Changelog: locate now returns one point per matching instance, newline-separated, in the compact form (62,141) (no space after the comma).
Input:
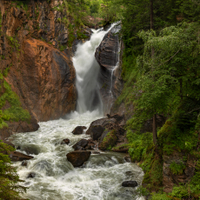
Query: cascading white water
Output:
(55,177)
(87,70)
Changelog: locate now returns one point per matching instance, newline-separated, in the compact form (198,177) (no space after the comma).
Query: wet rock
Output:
(77,158)
(17,156)
(107,52)
(97,127)
(107,55)
(129,184)
(46,80)
(118,117)
(31,175)
(65,141)
(24,163)
(91,145)
(31,149)
(96,132)
(96,152)
(80,145)
(79,130)
(127,158)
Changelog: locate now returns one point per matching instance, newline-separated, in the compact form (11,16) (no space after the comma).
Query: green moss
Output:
(71,36)
(62,48)
(120,147)
(109,141)
(139,145)
(13,111)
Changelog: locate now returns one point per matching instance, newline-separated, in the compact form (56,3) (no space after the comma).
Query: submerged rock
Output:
(65,141)
(31,175)
(17,156)
(79,130)
(31,149)
(129,184)
(77,158)
(24,163)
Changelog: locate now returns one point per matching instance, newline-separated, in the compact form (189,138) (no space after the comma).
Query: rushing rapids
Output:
(52,176)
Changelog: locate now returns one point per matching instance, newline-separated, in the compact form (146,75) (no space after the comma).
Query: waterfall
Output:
(87,70)
(54,177)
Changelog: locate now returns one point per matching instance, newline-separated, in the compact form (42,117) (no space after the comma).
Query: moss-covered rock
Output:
(108,140)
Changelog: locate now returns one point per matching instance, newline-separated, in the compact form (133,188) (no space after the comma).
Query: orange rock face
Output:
(45,80)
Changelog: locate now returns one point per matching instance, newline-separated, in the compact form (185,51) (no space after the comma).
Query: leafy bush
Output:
(9,180)
(180,192)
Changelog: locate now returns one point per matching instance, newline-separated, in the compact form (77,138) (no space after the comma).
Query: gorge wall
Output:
(36,48)
(108,55)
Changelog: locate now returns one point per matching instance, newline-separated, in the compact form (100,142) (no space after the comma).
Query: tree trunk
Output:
(154,130)
(151,14)
(181,88)
(152,55)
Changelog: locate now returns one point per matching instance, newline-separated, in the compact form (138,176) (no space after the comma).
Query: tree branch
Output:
(169,58)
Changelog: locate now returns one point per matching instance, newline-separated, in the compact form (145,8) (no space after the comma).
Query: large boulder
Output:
(77,158)
(98,126)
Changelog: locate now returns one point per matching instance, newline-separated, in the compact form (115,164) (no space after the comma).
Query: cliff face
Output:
(45,79)
(108,56)
(32,36)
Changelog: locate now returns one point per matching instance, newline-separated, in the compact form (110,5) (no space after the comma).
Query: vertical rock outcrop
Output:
(45,79)
(107,55)
(32,35)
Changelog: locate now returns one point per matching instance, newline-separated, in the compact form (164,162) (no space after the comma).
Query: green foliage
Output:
(62,48)
(177,168)
(13,112)
(194,185)
(94,7)
(161,73)
(71,36)
(159,196)
(9,188)
(179,133)
(139,145)
(180,192)
(13,43)
(22,4)
(109,140)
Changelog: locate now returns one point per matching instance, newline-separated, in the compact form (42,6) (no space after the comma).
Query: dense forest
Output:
(161,74)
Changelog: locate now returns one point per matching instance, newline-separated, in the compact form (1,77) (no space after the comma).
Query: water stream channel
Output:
(55,178)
